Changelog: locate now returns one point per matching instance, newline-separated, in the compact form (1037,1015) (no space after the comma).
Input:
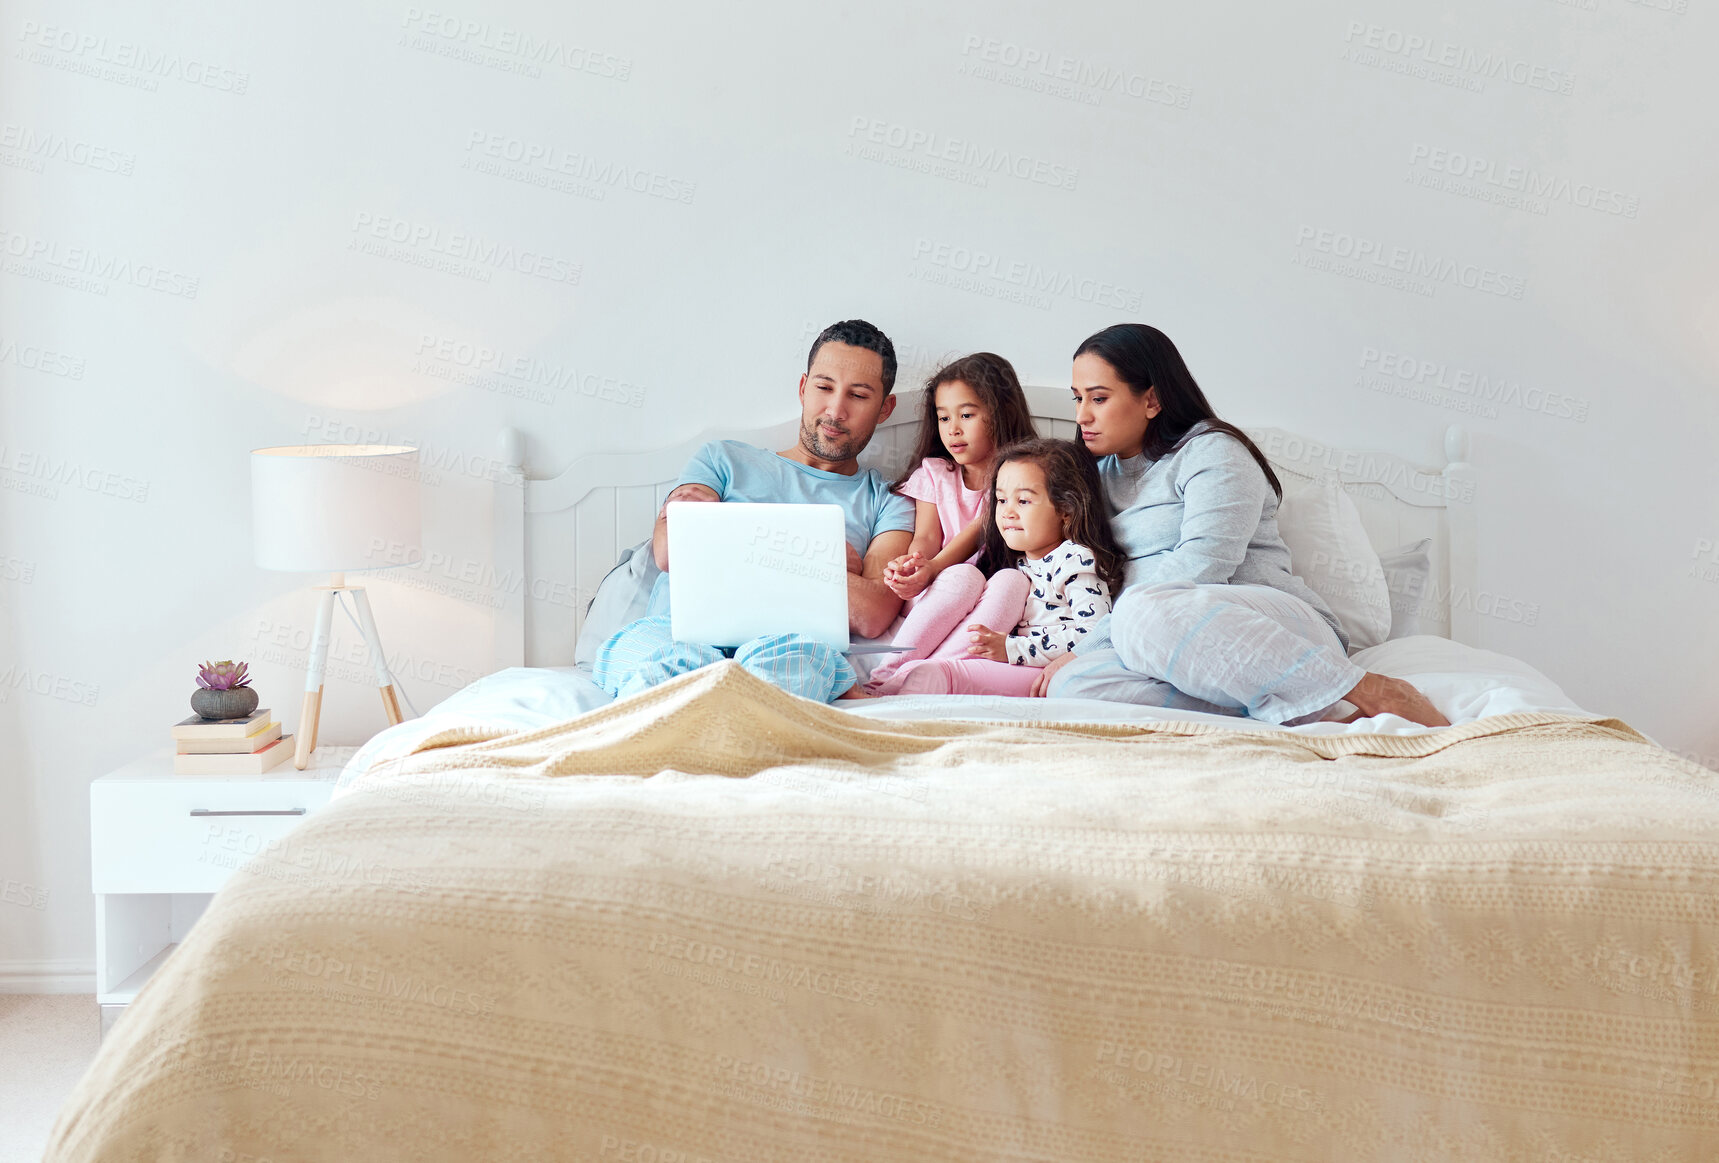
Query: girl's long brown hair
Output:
(1077,494)
(993,380)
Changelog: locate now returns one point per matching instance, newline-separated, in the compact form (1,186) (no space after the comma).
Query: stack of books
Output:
(248,746)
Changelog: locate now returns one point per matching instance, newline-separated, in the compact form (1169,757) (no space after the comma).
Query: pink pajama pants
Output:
(965,676)
(936,624)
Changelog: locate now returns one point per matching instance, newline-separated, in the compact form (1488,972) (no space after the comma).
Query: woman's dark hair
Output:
(1076,493)
(993,380)
(1145,358)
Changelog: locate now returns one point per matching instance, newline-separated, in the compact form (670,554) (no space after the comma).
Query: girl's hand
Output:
(984,642)
(1041,684)
(906,575)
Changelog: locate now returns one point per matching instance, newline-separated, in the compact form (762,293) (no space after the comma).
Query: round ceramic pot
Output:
(228,704)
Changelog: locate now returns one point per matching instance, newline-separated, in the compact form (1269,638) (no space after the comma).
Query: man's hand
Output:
(659,534)
(984,642)
(1041,684)
(690,493)
(871,605)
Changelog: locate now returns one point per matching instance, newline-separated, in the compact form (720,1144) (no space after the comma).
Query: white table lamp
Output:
(329,508)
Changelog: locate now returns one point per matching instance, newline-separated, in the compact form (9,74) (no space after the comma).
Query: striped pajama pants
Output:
(642,654)
(1221,649)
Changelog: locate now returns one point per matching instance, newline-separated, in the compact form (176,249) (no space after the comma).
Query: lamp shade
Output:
(330,508)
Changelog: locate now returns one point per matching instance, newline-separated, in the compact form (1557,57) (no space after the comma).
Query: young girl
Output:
(1049,525)
(972,407)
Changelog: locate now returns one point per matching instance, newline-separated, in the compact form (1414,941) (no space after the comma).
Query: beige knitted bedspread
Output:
(812,937)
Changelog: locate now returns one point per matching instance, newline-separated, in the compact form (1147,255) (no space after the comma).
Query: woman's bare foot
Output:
(856,692)
(1378,694)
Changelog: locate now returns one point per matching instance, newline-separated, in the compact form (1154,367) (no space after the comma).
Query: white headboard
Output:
(562,534)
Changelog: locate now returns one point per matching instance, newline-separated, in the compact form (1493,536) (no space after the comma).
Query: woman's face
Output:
(1112,418)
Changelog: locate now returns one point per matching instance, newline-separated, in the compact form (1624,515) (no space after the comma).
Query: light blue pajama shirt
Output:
(644,653)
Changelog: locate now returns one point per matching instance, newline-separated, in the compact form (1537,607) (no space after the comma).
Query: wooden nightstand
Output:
(161,845)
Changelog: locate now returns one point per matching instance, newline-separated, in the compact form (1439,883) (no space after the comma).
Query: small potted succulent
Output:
(223,691)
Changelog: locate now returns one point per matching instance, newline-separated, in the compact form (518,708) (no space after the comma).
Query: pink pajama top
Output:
(939,481)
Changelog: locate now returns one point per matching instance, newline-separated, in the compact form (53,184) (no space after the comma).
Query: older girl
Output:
(972,407)
(1210,617)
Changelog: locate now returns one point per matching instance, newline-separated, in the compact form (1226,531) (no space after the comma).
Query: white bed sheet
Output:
(1463,682)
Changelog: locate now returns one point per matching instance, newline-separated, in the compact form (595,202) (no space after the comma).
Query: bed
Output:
(714,922)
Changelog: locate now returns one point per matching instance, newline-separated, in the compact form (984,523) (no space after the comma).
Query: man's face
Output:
(842,401)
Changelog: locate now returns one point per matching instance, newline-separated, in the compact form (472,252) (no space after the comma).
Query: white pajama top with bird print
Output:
(1066,600)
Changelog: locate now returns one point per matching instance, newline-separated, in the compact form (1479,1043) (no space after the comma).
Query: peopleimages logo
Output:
(1212,1076)
(576,173)
(1525,181)
(42,682)
(929,146)
(17,569)
(433,459)
(456,577)
(443,357)
(981,268)
(1359,256)
(1059,75)
(1315,459)
(825,1094)
(527,47)
(34,256)
(1704,561)
(379,979)
(41,359)
(1435,59)
(1430,373)
(40,467)
(794,554)
(350,661)
(460,246)
(37,147)
(643,1151)
(775,971)
(15,892)
(86,52)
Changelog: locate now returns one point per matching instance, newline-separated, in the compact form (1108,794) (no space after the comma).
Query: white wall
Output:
(187,194)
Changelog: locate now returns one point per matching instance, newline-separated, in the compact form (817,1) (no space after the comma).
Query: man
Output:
(845,393)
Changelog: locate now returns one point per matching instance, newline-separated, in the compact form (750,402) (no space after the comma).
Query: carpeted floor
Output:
(46,1043)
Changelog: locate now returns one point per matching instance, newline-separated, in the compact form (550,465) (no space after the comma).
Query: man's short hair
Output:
(858,333)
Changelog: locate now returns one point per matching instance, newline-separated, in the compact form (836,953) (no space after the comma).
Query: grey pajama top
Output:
(1202,513)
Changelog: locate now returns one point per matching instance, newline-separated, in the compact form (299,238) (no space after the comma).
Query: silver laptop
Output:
(742,571)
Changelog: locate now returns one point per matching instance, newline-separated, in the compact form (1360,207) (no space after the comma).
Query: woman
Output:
(1210,617)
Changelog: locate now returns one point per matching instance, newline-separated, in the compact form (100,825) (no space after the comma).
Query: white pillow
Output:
(622,597)
(1408,574)
(1466,683)
(1330,551)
